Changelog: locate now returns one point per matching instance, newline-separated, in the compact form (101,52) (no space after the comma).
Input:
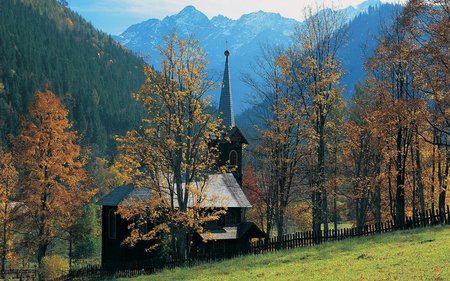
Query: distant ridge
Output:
(244,36)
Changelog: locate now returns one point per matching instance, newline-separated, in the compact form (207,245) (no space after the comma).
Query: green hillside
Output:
(43,44)
(405,255)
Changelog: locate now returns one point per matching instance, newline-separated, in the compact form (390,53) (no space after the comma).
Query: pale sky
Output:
(114,16)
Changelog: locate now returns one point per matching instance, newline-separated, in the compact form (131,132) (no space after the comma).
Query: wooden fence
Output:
(96,272)
(309,238)
(30,274)
(288,241)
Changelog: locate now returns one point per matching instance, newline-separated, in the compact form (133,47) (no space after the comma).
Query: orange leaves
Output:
(69,23)
(54,179)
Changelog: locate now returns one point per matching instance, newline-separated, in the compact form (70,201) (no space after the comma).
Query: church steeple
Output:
(226,99)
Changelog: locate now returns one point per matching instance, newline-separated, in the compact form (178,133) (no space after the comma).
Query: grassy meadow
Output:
(422,254)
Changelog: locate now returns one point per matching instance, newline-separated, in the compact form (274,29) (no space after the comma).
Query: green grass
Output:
(404,255)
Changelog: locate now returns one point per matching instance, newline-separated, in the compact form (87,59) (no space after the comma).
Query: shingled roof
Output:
(223,191)
(244,229)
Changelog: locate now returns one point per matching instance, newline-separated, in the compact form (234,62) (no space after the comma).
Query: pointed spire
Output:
(226,100)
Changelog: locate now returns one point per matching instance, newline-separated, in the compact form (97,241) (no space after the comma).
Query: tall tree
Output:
(282,132)
(10,210)
(364,156)
(401,107)
(53,174)
(427,22)
(317,73)
(171,153)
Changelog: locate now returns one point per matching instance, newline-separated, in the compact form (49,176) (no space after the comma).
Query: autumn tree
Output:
(10,210)
(256,194)
(317,72)
(171,153)
(426,22)
(53,179)
(363,156)
(281,130)
(402,109)
(104,175)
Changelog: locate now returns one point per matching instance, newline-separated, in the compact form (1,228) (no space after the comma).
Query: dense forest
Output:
(45,45)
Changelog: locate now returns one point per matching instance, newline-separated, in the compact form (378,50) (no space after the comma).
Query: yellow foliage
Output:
(53,267)
(171,154)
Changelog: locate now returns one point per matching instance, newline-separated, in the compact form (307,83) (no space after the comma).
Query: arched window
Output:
(233,158)
(112,224)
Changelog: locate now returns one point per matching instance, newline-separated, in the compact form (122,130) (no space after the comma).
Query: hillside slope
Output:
(404,255)
(44,43)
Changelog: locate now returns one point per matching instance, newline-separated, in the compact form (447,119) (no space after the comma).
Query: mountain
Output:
(244,36)
(363,33)
(44,43)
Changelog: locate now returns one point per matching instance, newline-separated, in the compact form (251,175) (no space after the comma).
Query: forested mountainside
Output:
(45,45)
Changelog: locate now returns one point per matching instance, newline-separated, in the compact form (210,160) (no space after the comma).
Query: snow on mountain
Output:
(243,38)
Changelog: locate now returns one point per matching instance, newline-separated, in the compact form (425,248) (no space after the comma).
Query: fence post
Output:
(433,216)
(448,215)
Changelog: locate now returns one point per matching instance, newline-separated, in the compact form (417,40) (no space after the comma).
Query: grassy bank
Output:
(405,255)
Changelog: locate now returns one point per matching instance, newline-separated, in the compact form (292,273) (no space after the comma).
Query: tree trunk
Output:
(335,214)
(280,221)
(420,188)
(400,181)
(316,210)
(414,182)
(443,187)
(182,245)
(433,171)
(4,242)
(70,253)
(391,197)
(42,250)
(377,203)
(321,197)
(440,176)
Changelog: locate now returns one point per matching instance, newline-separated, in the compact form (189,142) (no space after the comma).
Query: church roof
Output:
(236,133)
(226,99)
(245,229)
(223,191)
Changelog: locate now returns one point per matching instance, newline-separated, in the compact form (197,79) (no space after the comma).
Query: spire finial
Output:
(226,99)
(227,53)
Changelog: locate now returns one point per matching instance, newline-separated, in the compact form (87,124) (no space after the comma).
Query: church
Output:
(229,235)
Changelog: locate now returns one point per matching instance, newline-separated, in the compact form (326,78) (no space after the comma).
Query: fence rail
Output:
(309,238)
(20,274)
(288,241)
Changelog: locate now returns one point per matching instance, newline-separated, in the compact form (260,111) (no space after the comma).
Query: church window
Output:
(233,158)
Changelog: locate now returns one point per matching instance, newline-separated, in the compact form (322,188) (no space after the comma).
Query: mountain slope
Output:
(364,31)
(244,36)
(43,43)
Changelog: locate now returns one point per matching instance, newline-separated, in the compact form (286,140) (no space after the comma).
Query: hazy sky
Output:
(114,16)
